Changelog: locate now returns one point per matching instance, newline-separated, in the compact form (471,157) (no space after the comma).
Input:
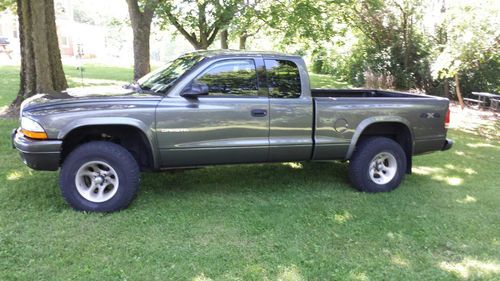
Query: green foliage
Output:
(392,38)
(387,41)
(484,77)
(470,40)
(198,21)
(466,43)
(301,20)
(318,61)
(249,20)
(7,4)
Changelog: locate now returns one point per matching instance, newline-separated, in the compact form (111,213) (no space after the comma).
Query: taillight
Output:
(447,119)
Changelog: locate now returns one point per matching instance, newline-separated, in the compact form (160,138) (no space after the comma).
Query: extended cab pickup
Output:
(223,107)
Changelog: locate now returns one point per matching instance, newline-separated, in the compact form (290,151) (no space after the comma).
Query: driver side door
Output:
(229,125)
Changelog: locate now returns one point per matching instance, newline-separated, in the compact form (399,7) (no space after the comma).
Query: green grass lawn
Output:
(326,81)
(9,84)
(288,221)
(92,75)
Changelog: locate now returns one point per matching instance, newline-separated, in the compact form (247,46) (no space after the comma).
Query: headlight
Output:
(32,129)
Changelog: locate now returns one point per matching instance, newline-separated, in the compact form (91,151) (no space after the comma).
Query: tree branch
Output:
(181,29)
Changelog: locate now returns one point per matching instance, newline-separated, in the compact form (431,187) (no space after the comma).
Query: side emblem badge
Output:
(430,115)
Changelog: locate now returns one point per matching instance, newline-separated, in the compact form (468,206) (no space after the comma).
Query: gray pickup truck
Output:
(223,107)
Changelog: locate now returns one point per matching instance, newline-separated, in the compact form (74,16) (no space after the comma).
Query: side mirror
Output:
(194,90)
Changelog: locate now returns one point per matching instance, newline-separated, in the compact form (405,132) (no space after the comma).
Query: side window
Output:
(283,79)
(231,78)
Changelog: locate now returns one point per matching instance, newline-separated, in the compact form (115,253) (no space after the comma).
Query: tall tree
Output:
(199,21)
(141,15)
(249,20)
(389,38)
(471,40)
(41,67)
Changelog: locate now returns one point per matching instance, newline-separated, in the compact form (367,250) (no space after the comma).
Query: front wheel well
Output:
(396,131)
(130,137)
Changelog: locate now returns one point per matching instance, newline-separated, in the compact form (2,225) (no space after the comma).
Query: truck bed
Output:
(361,93)
(341,113)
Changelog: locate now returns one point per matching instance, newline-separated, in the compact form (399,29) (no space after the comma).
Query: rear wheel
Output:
(99,177)
(377,165)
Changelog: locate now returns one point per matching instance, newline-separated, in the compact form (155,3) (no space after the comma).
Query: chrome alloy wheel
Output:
(383,168)
(96,181)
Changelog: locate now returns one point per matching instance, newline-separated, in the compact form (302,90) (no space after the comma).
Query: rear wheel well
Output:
(131,138)
(396,131)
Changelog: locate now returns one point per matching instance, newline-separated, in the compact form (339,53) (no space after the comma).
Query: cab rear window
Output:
(283,79)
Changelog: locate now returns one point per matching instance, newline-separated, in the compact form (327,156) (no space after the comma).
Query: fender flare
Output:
(124,121)
(374,120)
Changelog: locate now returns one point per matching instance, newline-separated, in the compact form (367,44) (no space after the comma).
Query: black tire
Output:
(359,165)
(118,158)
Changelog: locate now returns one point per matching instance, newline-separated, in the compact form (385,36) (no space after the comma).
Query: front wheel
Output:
(99,176)
(377,165)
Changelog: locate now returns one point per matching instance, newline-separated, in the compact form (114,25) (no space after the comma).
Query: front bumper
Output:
(42,155)
(447,144)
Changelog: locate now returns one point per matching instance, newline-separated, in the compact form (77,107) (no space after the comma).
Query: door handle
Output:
(259,112)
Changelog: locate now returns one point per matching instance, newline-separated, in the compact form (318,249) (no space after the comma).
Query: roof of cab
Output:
(224,53)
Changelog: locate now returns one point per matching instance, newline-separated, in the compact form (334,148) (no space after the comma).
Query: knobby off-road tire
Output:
(377,165)
(99,176)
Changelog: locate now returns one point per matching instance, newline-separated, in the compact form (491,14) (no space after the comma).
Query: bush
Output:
(484,78)
(378,81)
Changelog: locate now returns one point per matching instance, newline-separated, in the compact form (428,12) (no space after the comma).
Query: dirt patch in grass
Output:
(481,122)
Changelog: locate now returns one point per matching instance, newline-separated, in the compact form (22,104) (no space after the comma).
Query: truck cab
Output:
(254,108)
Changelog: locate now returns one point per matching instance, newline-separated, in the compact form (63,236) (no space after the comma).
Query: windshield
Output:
(163,78)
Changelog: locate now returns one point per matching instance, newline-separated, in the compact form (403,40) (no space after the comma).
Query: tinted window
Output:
(235,77)
(283,79)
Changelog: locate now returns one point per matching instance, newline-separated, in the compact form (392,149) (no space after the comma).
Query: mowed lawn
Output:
(291,221)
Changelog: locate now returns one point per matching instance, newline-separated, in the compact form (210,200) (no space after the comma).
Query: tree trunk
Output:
(200,46)
(141,27)
(41,67)
(459,93)
(203,44)
(223,39)
(243,41)
(58,78)
(141,51)
(405,43)
(27,84)
(446,88)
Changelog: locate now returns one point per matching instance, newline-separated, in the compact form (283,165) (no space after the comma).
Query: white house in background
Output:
(9,32)
(73,36)
(105,44)
(76,38)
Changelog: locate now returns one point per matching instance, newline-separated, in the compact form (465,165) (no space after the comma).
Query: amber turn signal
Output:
(34,135)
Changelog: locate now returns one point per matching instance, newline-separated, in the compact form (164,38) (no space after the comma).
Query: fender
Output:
(81,122)
(370,121)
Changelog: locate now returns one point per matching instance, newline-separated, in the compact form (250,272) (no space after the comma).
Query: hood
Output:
(102,94)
